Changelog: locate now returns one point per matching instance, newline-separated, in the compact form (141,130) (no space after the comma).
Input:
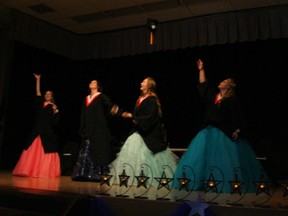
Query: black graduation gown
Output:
(149,124)
(95,127)
(227,115)
(45,125)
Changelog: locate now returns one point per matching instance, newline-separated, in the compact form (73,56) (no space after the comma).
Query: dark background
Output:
(259,69)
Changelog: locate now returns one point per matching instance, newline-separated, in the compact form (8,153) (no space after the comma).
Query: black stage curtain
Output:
(225,28)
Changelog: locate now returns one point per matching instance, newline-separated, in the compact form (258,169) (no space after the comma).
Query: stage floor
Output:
(62,196)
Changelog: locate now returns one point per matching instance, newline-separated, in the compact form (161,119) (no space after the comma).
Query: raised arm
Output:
(200,65)
(37,77)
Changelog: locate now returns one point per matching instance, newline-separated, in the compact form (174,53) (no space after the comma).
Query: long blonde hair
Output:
(152,92)
(231,90)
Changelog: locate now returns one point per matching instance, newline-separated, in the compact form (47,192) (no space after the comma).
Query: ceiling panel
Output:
(92,16)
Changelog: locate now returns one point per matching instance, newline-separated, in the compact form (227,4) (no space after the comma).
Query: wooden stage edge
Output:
(62,196)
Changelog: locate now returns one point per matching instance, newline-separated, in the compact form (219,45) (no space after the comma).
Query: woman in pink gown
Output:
(40,158)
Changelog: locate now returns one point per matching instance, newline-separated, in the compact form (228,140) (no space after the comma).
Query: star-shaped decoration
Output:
(236,185)
(164,181)
(198,207)
(211,184)
(142,180)
(184,182)
(262,186)
(105,179)
(123,179)
(285,186)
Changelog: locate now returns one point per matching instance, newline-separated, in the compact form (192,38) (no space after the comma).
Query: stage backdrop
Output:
(258,67)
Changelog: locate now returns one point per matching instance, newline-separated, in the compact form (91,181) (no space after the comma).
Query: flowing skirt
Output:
(85,169)
(135,159)
(34,162)
(211,155)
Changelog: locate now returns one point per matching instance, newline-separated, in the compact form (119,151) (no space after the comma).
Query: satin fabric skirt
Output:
(34,162)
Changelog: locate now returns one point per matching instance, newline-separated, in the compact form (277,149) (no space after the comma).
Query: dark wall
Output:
(259,69)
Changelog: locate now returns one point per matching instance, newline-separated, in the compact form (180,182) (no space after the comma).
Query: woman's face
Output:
(144,85)
(225,84)
(93,84)
(48,96)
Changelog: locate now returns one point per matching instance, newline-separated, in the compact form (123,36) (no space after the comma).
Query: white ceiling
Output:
(92,16)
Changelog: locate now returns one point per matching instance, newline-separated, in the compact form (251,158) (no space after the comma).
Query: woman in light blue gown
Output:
(145,149)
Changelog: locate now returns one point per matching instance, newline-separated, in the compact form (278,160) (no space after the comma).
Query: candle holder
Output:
(186,183)
(165,182)
(143,181)
(124,181)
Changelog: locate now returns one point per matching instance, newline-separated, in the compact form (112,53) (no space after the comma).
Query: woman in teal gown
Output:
(219,152)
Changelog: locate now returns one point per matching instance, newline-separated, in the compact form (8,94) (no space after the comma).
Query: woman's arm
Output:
(37,77)
(200,65)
